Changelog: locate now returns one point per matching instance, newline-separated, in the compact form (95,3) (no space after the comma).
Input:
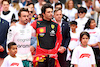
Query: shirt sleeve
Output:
(10,36)
(92,57)
(75,58)
(33,38)
(4,64)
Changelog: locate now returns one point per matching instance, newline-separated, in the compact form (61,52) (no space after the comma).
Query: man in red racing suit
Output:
(49,39)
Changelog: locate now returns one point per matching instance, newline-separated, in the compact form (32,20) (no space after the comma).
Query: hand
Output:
(1,49)
(32,49)
(61,49)
(92,12)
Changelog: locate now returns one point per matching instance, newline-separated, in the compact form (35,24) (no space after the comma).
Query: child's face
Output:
(92,24)
(84,40)
(13,50)
(73,27)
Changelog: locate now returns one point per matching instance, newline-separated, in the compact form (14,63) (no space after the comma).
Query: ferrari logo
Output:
(52,26)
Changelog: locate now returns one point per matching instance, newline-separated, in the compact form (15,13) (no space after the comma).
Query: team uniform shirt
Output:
(81,24)
(12,62)
(49,39)
(70,13)
(83,56)
(94,35)
(21,35)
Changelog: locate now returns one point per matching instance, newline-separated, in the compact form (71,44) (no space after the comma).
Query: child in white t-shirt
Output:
(94,32)
(83,55)
(12,60)
(74,40)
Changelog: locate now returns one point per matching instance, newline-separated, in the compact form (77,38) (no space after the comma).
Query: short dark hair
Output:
(82,10)
(57,10)
(58,4)
(30,3)
(5,0)
(73,22)
(22,9)
(45,6)
(84,33)
(11,44)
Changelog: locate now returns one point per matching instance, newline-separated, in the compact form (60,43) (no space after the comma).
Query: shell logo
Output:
(41,30)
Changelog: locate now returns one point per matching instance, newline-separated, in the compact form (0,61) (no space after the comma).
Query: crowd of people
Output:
(49,34)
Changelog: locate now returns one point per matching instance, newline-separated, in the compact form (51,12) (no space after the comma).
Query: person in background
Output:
(12,59)
(97,8)
(16,7)
(59,5)
(4,26)
(70,11)
(1,6)
(50,1)
(57,1)
(32,12)
(83,55)
(74,42)
(38,6)
(82,20)
(48,39)
(6,13)
(65,30)
(88,6)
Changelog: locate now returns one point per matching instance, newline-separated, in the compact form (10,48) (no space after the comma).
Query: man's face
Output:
(89,3)
(5,6)
(24,18)
(48,14)
(58,15)
(30,9)
(58,6)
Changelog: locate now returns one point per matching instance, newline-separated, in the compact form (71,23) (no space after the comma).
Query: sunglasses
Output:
(80,12)
(31,11)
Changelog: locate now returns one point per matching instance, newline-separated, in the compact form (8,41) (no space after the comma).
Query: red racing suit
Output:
(49,39)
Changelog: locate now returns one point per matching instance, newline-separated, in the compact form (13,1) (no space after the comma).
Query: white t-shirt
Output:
(97,3)
(70,13)
(74,40)
(15,10)
(21,35)
(81,24)
(12,62)
(94,35)
(83,57)
(7,17)
(37,8)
